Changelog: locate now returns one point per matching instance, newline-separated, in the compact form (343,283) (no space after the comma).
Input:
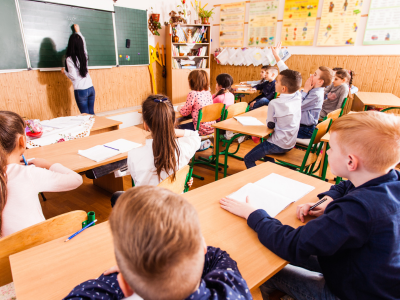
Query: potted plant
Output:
(155,17)
(157,26)
(205,14)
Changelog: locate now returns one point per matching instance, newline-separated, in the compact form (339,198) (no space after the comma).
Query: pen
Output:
(110,147)
(78,232)
(23,157)
(318,203)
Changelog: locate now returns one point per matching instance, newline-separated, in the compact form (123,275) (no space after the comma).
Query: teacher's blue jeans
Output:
(85,100)
(301,282)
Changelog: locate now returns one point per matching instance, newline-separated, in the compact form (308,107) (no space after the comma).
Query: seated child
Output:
(352,249)
(285,113)
(223,89)
(266,86)
(353,89)
(20,206)
(161,254)
(312,96)
(199,97)
(167,151)
(336,92)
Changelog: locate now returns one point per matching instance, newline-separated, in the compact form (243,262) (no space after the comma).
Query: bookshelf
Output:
(177,78)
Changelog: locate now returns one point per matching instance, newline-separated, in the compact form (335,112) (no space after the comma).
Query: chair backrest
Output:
(236,109)
(343,106)
(178,185)
(211,112)
(334,115)
(35,235)
(323,128)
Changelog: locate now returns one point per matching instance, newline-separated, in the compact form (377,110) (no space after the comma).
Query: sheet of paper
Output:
(261,198)
(286,187)
(249,121)
(263,17)
(123,145)
(98,153)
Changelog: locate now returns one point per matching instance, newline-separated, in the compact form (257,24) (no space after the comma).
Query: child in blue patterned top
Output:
(161,254)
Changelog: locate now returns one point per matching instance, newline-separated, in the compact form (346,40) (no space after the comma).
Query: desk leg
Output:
(216,152)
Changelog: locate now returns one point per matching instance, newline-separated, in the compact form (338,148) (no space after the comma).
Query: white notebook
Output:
(249,121)
(273,193)
(100,152)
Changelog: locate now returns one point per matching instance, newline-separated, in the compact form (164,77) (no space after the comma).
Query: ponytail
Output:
(352,74)
(225,81)
(11,124)
(159,115)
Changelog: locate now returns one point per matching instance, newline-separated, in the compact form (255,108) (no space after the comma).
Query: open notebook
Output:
(100,152)
(249,121)
(273,193)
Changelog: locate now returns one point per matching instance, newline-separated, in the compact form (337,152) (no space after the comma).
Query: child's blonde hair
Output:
(373,136)
(158,243)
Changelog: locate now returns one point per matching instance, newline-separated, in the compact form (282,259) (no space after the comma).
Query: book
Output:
(102,152)
(272,193)
(249,121)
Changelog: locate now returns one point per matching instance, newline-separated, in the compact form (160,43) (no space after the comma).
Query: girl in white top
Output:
(20,185)
(169,149)
(76,69)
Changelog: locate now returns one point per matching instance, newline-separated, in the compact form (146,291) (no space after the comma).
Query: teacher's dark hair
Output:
(76,51)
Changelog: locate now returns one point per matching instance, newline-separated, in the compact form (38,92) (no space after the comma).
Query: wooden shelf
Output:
(207,25)
(191,43)
(191,56)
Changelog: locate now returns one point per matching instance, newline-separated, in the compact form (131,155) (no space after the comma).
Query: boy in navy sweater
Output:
(352,249)
(161,254)
(266,86)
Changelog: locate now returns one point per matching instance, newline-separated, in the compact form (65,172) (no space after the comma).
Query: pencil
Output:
(110,147)
(23,157)
(318,203)
(78,232)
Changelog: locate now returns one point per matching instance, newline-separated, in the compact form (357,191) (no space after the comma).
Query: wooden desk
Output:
(177,113)
(66,153)
(364,99)
(240,94)
(233,125)
(102,124)
(52,270)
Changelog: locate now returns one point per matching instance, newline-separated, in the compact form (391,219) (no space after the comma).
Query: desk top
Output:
(238,85)
(66,153)
(102,123)
(381,99)
(235,126)
(52,270)
(177,113)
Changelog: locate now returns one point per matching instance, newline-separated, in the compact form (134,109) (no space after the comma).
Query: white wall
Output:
(357,49)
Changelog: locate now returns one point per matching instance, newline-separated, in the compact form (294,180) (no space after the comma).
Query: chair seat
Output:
(304,142)
(295,157)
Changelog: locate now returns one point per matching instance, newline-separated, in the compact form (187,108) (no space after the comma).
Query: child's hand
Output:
(303,209)
(111,270)
(276,50)
(190,182)
(63,70)
(252,104)
(240,209)
(40,163)
(309,85)
(243,83)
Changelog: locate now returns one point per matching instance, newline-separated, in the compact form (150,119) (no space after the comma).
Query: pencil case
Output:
(90,218)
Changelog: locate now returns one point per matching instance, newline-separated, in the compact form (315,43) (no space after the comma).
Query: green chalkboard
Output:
(132,24)
(12,53)
(47,28)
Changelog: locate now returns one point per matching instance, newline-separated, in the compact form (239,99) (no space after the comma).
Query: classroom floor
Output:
(89,197)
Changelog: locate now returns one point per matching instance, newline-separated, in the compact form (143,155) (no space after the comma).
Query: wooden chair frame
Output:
(178,185)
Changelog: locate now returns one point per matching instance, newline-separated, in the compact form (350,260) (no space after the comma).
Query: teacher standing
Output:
(76,69)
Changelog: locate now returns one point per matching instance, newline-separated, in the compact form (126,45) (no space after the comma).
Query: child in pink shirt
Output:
(223,89)
(20,185)
(199,97)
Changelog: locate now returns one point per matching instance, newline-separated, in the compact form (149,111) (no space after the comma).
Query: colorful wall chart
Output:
(339,22)
(299,20)
(263,16)
(383,25)
(232,24)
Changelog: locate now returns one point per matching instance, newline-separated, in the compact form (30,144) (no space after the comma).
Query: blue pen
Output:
(76,233)
(110,147)
(23,157)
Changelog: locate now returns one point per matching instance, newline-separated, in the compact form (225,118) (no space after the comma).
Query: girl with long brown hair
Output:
(167,151)
(20,185)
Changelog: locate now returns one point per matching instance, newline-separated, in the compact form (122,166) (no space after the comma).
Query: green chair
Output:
(208,113)
(302,161)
